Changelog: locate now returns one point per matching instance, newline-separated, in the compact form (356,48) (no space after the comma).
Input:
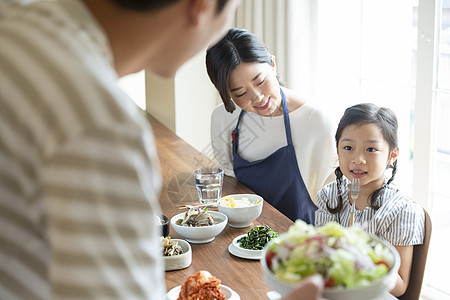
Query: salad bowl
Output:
(368,270)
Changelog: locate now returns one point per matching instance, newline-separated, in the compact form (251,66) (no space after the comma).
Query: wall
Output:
(185,102)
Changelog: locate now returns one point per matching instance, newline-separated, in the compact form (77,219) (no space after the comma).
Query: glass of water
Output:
(209,183)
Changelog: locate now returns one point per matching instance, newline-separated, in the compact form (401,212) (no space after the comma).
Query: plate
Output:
(272,295)
(234,249)
(228,293)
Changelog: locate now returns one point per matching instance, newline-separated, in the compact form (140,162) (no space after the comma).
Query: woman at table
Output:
(276,142)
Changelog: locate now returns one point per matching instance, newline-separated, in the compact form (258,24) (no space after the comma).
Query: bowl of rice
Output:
(241,209)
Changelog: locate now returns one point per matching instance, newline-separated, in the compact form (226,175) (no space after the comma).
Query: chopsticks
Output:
(190,205)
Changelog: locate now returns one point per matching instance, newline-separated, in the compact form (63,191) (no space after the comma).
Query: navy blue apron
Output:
(276,178)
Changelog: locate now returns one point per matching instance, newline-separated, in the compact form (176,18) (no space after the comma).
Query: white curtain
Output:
(289,37)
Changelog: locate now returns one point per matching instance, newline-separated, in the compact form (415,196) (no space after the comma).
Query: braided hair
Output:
(361,114)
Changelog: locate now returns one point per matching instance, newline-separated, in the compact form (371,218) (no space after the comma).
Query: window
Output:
(134,86)
(440,196)
(367,51)
(360,59)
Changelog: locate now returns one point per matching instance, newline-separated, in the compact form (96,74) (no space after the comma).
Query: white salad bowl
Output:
(377,288)
(202,234)
(240,217)
(180,261)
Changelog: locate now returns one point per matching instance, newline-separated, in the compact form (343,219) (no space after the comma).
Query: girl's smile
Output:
(365,154)
(358,173)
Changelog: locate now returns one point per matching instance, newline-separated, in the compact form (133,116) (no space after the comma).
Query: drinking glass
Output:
(209,183)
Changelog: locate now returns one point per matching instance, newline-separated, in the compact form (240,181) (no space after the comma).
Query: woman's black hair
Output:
(145,5)
(362,114)
(236,47)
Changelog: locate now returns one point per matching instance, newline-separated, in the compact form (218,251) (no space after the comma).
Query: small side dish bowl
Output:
(164,225)
(202,234)
(248,208)
(248,252)
(235,249)
(181,261)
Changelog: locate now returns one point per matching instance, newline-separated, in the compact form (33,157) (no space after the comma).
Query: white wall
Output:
(160,99)
(196,97)
(185,102)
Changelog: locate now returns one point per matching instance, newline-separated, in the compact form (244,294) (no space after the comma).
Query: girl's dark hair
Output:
(362,114)
(144,5)
(238,46)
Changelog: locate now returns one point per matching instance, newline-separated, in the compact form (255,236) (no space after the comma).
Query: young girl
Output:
(366,141)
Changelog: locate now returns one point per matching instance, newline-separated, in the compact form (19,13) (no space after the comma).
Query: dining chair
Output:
(418,264)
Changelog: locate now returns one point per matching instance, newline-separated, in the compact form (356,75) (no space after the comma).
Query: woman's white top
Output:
(312,136)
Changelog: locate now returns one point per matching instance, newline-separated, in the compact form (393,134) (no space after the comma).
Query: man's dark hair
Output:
(144,5)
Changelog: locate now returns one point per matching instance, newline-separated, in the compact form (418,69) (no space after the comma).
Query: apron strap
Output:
(235,132)
(287,124)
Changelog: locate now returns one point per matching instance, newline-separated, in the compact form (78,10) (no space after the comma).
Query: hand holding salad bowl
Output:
(353,264)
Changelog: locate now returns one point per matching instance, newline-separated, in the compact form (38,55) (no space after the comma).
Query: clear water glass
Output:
(209,182)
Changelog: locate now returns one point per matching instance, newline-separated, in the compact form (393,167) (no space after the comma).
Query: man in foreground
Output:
(79,176)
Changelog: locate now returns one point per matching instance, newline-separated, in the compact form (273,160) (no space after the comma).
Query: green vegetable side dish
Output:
(257,237)
(345,257)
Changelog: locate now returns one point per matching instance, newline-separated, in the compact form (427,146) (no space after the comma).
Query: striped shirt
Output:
(399,220)
(79,176)
(6,4)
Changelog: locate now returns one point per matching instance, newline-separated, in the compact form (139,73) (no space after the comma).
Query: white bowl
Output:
(235,249)
(240,217)
(378,288)
(202,234)
(227,292)
(181,261)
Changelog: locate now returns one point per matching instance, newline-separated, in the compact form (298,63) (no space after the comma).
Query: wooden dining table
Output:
(178,160)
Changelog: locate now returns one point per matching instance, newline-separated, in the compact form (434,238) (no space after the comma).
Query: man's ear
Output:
(199,9)
(393,156)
